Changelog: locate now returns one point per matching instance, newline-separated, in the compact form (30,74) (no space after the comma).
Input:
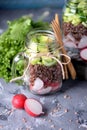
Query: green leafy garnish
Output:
(13,40)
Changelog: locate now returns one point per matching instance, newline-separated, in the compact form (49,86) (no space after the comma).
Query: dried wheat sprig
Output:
(64,66)
(56,29)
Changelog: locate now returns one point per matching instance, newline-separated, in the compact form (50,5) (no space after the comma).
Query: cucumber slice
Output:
(42,47)
(72,5)
(85,12)
(68,14)
(82,5)
(76,1)
(34,39)
(67,10)
(76,19)
(43,43)
(43,39)
(33,47)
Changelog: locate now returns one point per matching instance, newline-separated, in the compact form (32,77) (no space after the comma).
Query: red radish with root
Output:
(33,107)
(83,54)
(18,101)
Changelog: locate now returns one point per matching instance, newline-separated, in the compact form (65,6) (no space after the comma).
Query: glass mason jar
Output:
(74,21)
(43,69)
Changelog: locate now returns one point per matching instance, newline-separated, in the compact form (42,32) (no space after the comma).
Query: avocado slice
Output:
(43,43)
(47,61)
(43,39)
(36,61)
(42,47)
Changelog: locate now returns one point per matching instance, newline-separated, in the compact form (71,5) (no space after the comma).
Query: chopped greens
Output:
(12,41)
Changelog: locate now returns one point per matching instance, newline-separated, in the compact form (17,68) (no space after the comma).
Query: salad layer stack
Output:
(45,73)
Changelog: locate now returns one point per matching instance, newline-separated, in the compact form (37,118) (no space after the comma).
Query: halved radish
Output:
(70,44)
(33,107)
(52,84)
(83,54)
(45,90)
(83,43)
(18,101)
(38,84)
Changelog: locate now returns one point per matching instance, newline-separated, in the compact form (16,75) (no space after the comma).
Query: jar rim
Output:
(48,33)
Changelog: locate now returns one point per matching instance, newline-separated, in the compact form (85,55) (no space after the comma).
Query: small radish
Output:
(45,90)
(38,84)
(83,54)
(18,101)
(33,107)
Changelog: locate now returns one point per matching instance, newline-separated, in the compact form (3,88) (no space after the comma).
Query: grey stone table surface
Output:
(64,110)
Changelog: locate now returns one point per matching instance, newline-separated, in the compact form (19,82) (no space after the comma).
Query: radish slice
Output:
(33,107)
(83,43)
(70,44)
(83,54)
(38,84)
(45,90)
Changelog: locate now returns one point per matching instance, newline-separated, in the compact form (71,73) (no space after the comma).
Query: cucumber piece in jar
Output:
(43,43)
(47,61)
(82,5)
(35,61)
(43,39)
(67,10)
(76,1)
(72,5)
(42,47)
(76,19)
(85,12)
(34,39)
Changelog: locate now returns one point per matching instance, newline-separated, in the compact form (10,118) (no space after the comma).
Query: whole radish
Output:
(18,101)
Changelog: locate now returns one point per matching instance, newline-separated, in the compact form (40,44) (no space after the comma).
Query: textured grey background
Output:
(21,4)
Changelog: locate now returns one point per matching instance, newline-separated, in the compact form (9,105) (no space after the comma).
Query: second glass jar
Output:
(75,25)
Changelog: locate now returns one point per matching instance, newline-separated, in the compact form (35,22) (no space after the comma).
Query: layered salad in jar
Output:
(45,73)
(75,27)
